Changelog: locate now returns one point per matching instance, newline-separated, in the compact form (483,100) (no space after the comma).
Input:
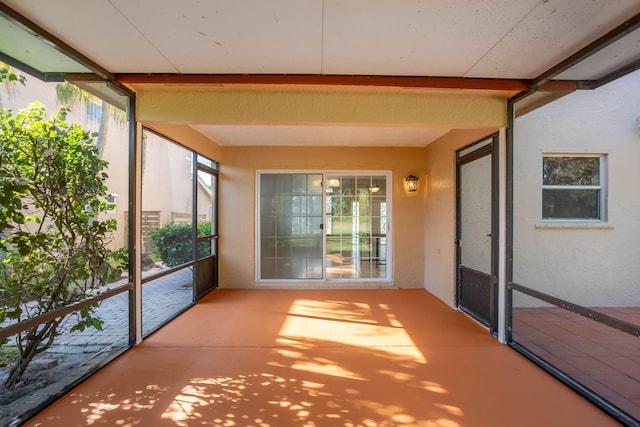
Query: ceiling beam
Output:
(55,43)
(547,93)
(437,109)
(627,69)
(328,80)
(52,41)
(45,77)
(592,48)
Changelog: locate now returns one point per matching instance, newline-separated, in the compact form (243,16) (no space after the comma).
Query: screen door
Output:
(475,237)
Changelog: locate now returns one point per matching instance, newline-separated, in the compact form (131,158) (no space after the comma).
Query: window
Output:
(94,111)
(573,187)
(112,203)
(315,226)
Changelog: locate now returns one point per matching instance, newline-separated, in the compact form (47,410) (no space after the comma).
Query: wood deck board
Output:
(601,358)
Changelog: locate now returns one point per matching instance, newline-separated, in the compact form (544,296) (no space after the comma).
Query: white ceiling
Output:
(285,135)
(497,39)
(462,38)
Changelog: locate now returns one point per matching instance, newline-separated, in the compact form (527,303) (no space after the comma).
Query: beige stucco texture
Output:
(306,107)
(423,223)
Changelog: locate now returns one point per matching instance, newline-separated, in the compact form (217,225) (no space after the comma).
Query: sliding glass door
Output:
(323,226)
(356,227)
(290,226)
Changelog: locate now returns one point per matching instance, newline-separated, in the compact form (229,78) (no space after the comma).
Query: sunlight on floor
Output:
(349,324)
(326,368)
(316,325)
(241,398)
(141,402)
(325,359)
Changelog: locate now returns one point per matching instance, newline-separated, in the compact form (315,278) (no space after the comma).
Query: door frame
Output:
(206,268)
(388,280)
(484,149)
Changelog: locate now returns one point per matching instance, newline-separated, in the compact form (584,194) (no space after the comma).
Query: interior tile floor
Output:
(322,358)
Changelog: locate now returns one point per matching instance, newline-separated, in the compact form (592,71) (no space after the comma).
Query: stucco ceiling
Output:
(286,135)
(493,39)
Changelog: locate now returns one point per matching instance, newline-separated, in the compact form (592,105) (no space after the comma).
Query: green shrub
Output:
(174,243)
(53,244)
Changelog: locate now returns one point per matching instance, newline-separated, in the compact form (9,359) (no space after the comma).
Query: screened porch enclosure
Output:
(574,301)
(323,226)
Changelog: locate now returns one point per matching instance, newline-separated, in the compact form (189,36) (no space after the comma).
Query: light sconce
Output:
(411,183)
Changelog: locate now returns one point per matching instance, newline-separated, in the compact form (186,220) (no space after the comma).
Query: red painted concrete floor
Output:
(601,358)
(322,358)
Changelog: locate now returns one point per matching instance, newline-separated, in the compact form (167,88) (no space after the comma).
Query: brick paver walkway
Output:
(73,354)
(161,299)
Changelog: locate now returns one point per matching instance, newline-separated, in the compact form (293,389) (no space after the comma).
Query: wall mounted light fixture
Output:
(411,183)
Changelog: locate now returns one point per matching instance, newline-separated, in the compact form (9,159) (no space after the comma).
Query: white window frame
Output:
(602,187)
(94,111)
(112,203)
(387,281)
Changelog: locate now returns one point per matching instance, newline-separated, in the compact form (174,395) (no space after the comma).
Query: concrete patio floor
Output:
(321,358)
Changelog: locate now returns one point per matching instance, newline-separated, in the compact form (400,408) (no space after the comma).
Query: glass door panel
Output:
(291,226)
(308,233)
(356,226)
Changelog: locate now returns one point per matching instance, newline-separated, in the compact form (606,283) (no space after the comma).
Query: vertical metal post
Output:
(132,242)
(496,234)
(509,148)
(502,234)
(194,224)
(214,222)
(137,233)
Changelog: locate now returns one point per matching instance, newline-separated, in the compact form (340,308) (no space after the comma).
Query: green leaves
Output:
(580,170)
(174,242)
(8,75)
(52,239)
(86,320)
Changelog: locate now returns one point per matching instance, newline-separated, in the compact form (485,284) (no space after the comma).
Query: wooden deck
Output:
(329,358)
(601,358)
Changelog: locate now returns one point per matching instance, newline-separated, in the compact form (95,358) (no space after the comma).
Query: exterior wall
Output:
(163,161)
(115,145)
(238,210)
(591,266)
(167,181)
(440,211)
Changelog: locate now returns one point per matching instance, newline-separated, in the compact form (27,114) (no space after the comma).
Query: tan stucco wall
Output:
(440,211)
(273,107)
(190,138)
(423,226)
(238,210)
